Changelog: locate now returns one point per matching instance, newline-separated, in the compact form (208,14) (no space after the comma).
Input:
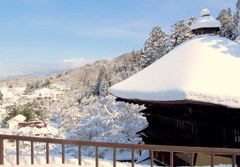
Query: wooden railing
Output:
(114,146)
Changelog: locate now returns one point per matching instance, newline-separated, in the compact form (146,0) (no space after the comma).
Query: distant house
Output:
(11,123)
(61,95)
(32,124)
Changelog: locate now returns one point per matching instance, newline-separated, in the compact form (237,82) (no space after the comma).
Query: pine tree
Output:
(236,21)
(129,66)
(134,60)
(180,32)
(227,27)
(155,47)
(191,20)
(102,83)
(1,95)
(238,4)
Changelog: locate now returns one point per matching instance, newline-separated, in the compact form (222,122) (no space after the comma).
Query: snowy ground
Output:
(56,161)
(40,161)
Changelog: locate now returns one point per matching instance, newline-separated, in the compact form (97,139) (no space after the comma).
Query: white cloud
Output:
(27,69)
(112,28)
(72,63)
(108,32)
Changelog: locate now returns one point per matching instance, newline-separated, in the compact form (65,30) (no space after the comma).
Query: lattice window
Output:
(237,136)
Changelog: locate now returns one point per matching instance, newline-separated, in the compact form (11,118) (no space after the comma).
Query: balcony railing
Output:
(133,147)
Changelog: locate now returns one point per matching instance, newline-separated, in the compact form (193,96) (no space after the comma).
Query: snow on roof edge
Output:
(18,118)
(195,98)
(205,22)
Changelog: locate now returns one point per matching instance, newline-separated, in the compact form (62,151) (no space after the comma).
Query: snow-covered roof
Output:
(18,118)
(205,21)
(205,68)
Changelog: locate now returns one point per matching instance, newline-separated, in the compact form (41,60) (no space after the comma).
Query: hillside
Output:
(78,79)
(75,104)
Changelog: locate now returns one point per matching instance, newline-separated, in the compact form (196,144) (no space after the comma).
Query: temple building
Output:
(206,24)
(192,94)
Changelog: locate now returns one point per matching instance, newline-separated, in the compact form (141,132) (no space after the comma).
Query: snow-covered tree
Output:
(102,83)
(191,20)
(227,27)
(180,32)
(155,47)
(135,61)
(130,66)
(236,21)
(105,120)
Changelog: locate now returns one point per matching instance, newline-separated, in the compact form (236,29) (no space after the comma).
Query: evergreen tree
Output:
(180,32)
(129,66)
(155,47)
(236,21)
(1,95)
(134,62)
(102,83)
(135,59)
(227,27)
(191,20)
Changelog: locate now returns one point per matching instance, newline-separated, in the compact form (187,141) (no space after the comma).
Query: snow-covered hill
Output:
(76,104)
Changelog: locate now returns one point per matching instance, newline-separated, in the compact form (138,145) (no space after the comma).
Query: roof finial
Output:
(205,12)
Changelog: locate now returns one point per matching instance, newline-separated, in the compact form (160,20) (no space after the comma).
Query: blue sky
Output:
(52,35)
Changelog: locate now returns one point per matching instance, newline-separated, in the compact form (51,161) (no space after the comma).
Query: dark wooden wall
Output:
(192,125)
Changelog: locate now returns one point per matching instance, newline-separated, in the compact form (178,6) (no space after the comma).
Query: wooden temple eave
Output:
(174,102)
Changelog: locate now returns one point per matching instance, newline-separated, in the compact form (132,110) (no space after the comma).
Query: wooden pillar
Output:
(63,154)
(79,155)
(192,160)
(96,158)
(212,160)
(152,158)
(133,158)
(1,152)
(47,153)
(17,152)
(114,157)
(32,153)
(171,159)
